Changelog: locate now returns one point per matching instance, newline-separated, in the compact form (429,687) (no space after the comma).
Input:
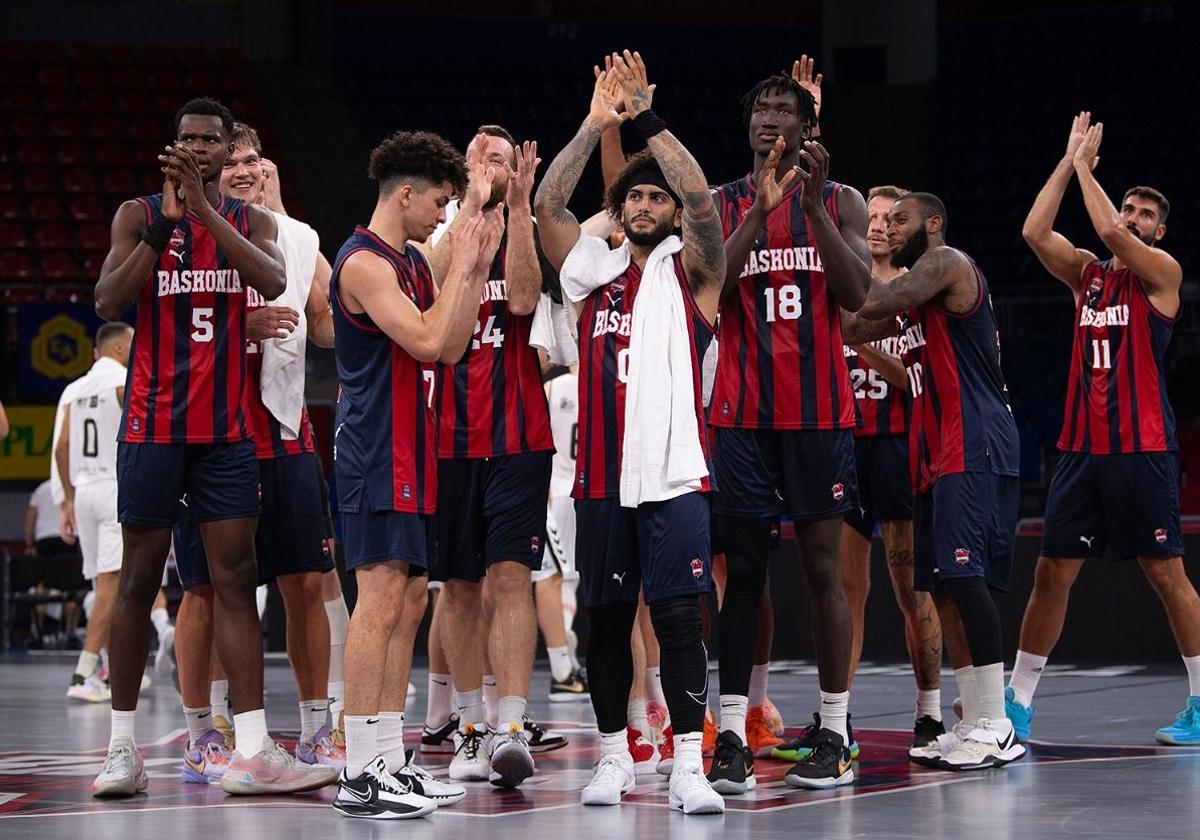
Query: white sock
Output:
(260,600)
(249,732)
(758,685)
(509,710)
(635,715)
(122,726)
(390,739)
(85,666)
(614,743)
(161,620)
(968,692)
(491,700)
(560,662)
(929,703)
(687,751)
(199,721)
(654,689)
(218,698)
(437,710)
(834,706)
(989,682)
(337,700)
(103,659)
(733,714)
(362,732)
(469,706)
(1192,663)
(1026,672)
(312,717)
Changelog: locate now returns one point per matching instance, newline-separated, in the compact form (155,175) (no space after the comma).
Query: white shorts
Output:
(99,532)
(559,554)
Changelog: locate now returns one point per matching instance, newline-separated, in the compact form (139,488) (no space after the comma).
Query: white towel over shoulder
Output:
(283,358)
(661,456)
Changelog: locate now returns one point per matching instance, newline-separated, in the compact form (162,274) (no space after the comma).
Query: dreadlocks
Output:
(781,83)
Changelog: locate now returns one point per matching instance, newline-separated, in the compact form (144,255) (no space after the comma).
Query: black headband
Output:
(650,174)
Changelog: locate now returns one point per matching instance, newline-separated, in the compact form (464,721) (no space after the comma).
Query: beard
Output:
(911,250)
(649,238)
(499,191)
(1147,239)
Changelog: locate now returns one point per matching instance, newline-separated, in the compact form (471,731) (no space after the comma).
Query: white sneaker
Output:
(422,783)
(124,774)
(470,762)
(691,793)
(990,743)
(375,794)
(90,690)
(164,658)
(931,754)
(613,779)
(512,763)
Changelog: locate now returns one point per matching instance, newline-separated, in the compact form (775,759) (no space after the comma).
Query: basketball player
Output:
(494,451)
(86,455)
(1118,428)
(391,331)
(186,257)
(784,420)
(962,443)
(641,477)
(885,494)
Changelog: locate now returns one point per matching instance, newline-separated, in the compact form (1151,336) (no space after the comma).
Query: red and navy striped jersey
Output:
(492,402)
(385,440)
(604,326)
(187,370)
(781,364)
(961,420)
(1117,389)
(268,435)
(881,407)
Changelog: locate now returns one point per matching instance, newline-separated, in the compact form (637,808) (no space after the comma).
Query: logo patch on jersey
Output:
(725,407)
(135,424)
(535,545)
(697,568)
(614,292)
(962,556)
(1160,535)
(839,492)
(406,491)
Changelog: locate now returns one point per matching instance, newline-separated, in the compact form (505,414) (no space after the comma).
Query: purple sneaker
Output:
(322,751)
(205,761)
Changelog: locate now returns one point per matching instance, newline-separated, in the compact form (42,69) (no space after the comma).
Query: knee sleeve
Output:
(747,542)
(610,662)
(980,618)
(684,661)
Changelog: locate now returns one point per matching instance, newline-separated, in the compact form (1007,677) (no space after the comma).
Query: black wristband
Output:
(648,124)
(158,233)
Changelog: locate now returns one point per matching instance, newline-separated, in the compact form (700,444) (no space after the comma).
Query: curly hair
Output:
(206,106)
(781,83)
(614,196)
(416,156)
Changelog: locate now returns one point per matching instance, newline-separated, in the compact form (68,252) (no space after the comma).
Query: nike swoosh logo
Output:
(203,716)
(702,697)
(372,722)
(440,682)
(359,795)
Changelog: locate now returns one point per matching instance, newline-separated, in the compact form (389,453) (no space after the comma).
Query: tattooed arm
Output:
(558,229)
(940,271)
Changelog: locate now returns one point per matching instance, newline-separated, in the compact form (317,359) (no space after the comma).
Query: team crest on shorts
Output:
(535,545)
(1160,535)
(839,491)
(962,556)
(697,568)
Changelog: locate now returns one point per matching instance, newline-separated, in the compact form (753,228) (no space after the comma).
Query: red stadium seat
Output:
(40,180)
(70,294)
(119,182)
(136,101)
(150,127)
(72,152)
(66,125)
(53,236)
(165,79)
(45,207)
(7,182)
(94,237)
(15,265)
(56,100)
(10,208)
(105,127)
(1189,499)
(26,125)
(59,265)
(78,180)
(53,75)
(113,154)
(86,208)
(92,262)
(128,79)
(17,295)
(13,236)
(85,54)
(6,155)
(34,153)
(121,55)
(156,55)
(20,99)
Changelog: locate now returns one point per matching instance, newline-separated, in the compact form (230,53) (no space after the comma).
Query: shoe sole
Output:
(510,768)
(87,698)
(191,777)
(712,808)
(925,759)
(569,698)
(728,787)
(545,748)
(819,784)
(363,812)
(122,791)
(1171,741)
(237,787)
(583,800)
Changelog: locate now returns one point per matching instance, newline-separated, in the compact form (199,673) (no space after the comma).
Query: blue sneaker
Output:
(1021,716)
(1185,731)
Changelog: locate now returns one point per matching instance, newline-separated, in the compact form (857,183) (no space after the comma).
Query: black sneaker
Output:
(732,766)
(375,794)
(926,731)
(440,740)
(798,748)
(541,740)
(574,687)
(826,766)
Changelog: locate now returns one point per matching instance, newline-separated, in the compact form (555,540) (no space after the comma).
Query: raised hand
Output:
(465,240)
(520,180)
(770,191)
(271,322)
(181,164)
(817,160)
(604,111)
(1079,127)
(631,72)
(173,205)
(1088,153)
(270,196)
(802,74)
(479,175)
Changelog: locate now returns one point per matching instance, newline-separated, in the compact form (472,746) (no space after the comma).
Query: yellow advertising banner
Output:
(27,450)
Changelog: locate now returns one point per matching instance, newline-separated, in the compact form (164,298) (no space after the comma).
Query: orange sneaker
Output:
(773,717)
(709,744)
(759,737)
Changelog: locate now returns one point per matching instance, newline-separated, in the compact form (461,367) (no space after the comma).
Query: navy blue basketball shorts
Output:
(884,483)
(191,563)
(965,526)
(806,474)
(220,479)
(660,548)
(490,510)
(1127,504)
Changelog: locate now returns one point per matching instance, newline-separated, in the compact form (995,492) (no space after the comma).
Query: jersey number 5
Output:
(202,324)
